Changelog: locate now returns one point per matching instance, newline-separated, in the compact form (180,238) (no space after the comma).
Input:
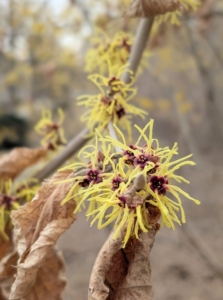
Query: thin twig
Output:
(74,145)
(138,47)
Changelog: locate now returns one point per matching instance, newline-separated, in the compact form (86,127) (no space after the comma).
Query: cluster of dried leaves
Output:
(13,163)
(37,227)
(32,267)
(30,258)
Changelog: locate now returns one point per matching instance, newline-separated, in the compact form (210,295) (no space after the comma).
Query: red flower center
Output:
(93,176)
(158,184)
(6,201)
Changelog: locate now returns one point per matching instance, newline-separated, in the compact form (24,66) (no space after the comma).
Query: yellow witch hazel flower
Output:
(140,158)
(8,202)
(117,49)
(137,180)
(113,83)
(11,197)
(27,189)
(97,55)
(128,207)
(160,189)
(52,132)
(87,174)
(112,104)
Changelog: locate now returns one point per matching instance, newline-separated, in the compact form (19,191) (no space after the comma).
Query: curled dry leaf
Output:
(48,283)
(7,272)
(98,290)
(151,8)
(38,226)
(13,163)
(124,273)
(137,282)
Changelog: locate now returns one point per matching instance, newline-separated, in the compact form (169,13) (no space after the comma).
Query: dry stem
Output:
(138,47)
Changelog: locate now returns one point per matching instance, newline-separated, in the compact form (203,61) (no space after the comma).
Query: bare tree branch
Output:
(73,146)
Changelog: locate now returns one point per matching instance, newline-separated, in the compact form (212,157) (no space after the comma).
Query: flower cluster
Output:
(89,171)
(110,57)
(52,132)
(125,186)
(116,49)
(112,104)
(7,203)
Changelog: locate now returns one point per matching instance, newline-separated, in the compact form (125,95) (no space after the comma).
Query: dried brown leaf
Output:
(50,281)
(151,8)
(38,226)
(7,272)
(98,290)
(124,273)
(13,163)
(40,278)
(137,282)
(33,217)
